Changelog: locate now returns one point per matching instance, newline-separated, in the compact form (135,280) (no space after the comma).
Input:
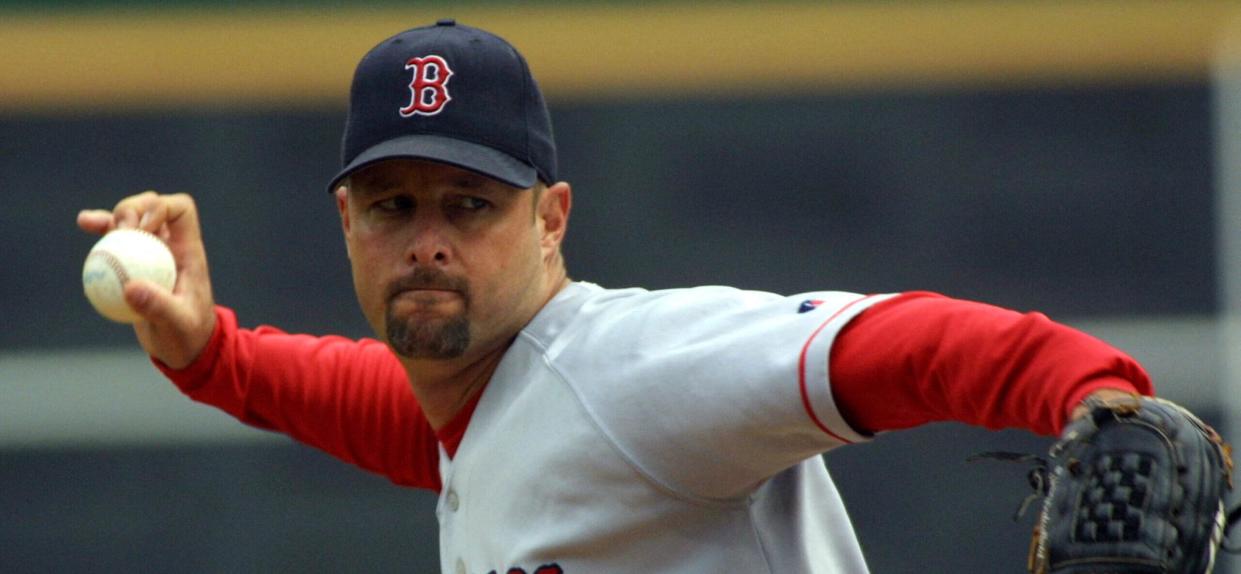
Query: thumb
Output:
(152,302)
(173,329)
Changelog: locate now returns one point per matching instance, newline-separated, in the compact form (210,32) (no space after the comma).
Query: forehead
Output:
(398,172)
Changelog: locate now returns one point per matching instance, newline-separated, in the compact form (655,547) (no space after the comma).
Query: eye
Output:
(471,204)
(394,204)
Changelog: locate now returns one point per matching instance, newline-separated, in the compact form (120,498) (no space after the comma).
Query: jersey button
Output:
(454,502)
(460,566)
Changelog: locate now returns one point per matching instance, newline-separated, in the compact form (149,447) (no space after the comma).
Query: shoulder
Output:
(589,315)
(589,306)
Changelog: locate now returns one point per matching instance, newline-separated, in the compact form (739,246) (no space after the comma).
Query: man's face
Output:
(445,261)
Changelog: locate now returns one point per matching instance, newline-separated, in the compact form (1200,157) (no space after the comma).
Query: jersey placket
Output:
(448,510)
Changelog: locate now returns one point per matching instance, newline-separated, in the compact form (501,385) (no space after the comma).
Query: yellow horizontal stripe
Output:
(295,58)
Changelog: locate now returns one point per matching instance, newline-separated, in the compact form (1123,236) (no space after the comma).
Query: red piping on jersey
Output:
(801,372)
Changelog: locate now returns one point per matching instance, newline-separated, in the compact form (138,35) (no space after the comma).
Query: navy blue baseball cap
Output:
(451,94)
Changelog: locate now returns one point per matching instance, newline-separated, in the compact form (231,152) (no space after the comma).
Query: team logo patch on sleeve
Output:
(809,305)
(428,90)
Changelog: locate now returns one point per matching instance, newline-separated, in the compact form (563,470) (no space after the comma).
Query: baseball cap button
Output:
(446,22)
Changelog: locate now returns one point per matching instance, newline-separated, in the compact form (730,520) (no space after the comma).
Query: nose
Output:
(430,244)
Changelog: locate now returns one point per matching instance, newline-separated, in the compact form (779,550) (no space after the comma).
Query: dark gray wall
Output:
(1076,202)
(1081,202)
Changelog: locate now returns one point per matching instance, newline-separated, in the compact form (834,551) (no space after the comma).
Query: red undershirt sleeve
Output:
(922,357)
(349,398)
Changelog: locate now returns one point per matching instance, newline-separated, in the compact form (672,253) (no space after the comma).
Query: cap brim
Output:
(465,155)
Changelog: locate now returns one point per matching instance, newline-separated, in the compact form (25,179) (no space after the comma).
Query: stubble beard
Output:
(428,338)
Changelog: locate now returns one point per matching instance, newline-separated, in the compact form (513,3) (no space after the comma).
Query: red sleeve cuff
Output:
(1107,382)
(198,373)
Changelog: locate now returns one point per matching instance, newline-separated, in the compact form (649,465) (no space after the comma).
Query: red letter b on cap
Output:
(429,88)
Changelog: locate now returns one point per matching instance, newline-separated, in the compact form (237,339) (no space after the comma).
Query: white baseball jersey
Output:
(668,431)
(656,431)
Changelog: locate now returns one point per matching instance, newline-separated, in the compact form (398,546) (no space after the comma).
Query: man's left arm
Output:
(922,357)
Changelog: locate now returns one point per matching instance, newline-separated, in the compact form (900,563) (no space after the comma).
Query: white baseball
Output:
(123,255)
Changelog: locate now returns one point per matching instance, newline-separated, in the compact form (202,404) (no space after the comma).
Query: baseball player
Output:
(569,427)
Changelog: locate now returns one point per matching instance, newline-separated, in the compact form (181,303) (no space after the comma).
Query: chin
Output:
(423,338)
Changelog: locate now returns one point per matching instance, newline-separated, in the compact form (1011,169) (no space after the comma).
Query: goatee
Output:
(428,339)
(423,338)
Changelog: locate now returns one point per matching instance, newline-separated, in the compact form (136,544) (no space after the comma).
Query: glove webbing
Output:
(1038,480)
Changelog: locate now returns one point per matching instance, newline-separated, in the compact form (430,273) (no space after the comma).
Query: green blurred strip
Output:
(101,5)
(92,5)
(294,57)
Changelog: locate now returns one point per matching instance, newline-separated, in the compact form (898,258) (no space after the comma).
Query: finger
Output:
(125,217)
(173,218)
(97,221)
(154,215)
(129,212)
(179,218)
(179,211)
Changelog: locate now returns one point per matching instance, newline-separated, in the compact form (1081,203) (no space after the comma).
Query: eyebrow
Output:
(371,185)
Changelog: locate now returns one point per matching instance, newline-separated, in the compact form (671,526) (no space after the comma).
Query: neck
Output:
(444,387)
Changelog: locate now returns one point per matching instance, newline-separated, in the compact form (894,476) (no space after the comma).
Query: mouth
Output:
(428,291)
(423,297)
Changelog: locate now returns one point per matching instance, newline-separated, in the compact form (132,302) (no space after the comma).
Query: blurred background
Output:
(1075,158)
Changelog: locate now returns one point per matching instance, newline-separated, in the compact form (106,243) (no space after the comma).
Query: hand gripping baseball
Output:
(176,325)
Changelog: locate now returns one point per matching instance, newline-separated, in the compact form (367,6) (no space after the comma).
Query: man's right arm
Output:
(349,398)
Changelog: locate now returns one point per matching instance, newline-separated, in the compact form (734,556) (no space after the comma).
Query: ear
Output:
(342,205)
(553,214)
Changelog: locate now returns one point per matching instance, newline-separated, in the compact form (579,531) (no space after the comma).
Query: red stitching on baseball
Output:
(114,262)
